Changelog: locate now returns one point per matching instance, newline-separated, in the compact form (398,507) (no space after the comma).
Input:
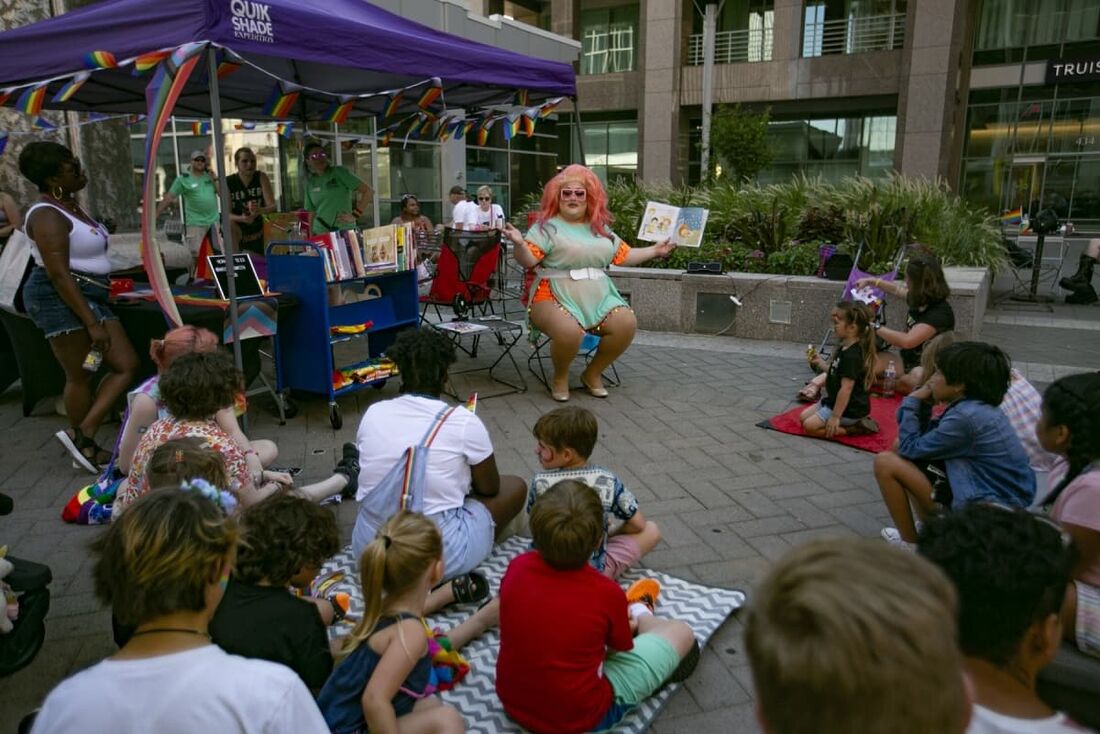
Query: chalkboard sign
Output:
(248,283)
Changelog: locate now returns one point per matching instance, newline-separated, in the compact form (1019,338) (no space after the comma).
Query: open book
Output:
(666,222)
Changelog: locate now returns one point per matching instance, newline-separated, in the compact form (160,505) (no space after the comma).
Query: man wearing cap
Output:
(334,194)
(459,206)
(200,202)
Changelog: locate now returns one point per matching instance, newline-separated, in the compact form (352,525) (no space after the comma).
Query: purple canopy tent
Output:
(334,51)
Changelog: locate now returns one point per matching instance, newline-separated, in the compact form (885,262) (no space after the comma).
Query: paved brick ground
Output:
(729,497)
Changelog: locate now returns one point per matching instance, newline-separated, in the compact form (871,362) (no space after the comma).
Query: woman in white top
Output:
(66,296)
(162,568)
(485,214)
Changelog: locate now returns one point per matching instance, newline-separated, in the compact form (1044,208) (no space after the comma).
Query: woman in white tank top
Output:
(66,296)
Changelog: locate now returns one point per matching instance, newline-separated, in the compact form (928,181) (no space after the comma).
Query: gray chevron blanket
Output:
(705,608)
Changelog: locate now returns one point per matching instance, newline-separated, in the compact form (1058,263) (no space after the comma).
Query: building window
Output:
(1005,24)
(744,33)
(852,26)
(610,147)
(609,38)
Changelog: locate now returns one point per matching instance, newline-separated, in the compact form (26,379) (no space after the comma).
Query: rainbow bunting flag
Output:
(30,102)
(528,125)
(285,129)
(426,130)
(200,128)
(71,87)
(338,112)
(431,94)
(393,104)
(3,142)
(548,107)
(1014,216)
(523,97)
(511,128)
(280,101)
(100,60)
(226,68)
(43,124)
(149,61)
(482,135)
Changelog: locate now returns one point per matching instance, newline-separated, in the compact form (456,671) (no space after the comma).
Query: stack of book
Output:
(350,254)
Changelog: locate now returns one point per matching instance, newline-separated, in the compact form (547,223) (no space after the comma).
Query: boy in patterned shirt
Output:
(566,438)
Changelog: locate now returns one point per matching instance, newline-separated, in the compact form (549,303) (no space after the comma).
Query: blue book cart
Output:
(304,341)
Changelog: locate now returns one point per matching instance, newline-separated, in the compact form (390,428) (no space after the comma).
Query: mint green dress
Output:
(575,265)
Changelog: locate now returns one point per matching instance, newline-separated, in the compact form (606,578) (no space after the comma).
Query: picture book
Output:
(380,248)
(684,226)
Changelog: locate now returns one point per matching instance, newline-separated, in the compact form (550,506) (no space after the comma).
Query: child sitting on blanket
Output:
(845,410)
(1070,426)
(969,454)
(847,635)
(385,671)
(285,541)
(566,438)
(569,660)
(180,460)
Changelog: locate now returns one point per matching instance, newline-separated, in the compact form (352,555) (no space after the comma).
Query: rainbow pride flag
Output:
(148,62)
(200,128)
(511,128)
(285,129)
(528,125)
(548,107)
(1014,216)
(431,94)
(71,87)
(30,102)
(100,60)
(393,104)
(338,112)
(280,101)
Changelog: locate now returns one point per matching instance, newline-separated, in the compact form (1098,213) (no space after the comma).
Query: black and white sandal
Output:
(76,445)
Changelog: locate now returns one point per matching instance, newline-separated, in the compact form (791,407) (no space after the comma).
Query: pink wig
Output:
(598,215)
(181,341)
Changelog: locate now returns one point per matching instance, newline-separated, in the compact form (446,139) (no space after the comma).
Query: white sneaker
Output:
(893,537)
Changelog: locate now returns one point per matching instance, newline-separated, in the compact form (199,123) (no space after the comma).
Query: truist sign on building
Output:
(1061,71)
(252,21)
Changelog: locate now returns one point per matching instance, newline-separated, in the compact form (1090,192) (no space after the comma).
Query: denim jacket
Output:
(984,459)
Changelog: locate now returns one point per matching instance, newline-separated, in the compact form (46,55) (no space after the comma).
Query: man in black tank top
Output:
(251,197)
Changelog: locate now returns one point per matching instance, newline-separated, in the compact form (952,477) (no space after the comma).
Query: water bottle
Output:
(889,380)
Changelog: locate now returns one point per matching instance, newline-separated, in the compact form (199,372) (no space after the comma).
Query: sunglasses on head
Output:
(199,159)
(579,194)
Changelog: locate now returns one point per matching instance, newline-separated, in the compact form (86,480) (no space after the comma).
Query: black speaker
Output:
(707,268)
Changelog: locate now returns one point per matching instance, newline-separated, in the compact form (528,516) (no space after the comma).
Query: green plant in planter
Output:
(799,258)
(766,230)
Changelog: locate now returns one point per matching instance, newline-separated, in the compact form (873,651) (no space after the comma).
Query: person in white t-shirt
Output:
(163,567)
(459,206)
(484,214)
(462,490)
(1011,570)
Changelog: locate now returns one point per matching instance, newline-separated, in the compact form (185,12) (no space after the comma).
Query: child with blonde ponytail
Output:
(846,408)
(382,681)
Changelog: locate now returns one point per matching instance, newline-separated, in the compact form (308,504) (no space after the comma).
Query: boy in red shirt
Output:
(569,661)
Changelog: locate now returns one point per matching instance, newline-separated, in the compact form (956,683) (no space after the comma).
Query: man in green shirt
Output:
(196,187)
(334,194)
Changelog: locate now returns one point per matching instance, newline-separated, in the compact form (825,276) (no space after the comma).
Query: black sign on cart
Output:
(248,283)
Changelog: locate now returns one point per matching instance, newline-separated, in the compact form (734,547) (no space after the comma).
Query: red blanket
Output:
(883,410)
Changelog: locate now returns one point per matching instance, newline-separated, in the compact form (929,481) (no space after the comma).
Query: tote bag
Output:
(400,489)
(15,266)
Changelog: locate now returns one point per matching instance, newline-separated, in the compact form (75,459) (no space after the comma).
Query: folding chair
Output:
(467,261)
(589,344)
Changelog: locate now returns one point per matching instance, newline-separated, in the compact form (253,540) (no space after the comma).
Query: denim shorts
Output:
(467,536)
(51,314)
(824,412)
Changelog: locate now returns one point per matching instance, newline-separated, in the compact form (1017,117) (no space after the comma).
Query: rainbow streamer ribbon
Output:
(43,124)
(226,68)
(431,94)
(100,60)
(338,111)
(30,102)
(200,128)
(523,97)
(393,104)
(285,129)
(528,125)
(71,87)
(148,62)
(160,97)
(280,101)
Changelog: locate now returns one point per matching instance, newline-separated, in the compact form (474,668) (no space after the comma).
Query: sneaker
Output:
(74,445)
(644,591)
(893,537)
(349,467)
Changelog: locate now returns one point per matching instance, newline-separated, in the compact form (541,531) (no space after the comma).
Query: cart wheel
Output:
(334,416)
(379,385)
(290,408)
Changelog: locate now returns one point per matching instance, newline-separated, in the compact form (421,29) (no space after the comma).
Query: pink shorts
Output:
(622,553)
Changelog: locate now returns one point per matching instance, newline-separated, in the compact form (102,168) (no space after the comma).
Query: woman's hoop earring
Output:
(57,192)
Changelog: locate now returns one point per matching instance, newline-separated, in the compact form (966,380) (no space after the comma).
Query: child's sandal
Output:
(472,587)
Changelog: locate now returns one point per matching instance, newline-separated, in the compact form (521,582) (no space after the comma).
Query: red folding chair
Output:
(467,261)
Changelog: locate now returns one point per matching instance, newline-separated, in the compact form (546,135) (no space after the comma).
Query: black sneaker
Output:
(349,467)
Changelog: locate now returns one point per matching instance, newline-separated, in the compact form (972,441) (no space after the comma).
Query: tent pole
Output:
(580,131)
(227,222)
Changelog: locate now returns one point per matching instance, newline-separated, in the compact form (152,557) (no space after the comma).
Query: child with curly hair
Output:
(161,567)
(285,541)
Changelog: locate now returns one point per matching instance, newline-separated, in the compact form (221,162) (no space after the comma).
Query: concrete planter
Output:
(789,308)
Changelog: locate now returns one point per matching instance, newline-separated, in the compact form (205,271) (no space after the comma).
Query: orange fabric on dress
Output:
(543,292)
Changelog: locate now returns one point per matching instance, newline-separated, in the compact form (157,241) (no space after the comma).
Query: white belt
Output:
(574,274)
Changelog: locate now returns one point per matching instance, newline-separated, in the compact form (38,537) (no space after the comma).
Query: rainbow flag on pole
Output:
(100,60)
(280,101)
(30,102)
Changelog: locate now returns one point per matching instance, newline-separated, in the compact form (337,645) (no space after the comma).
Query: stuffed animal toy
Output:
(11,604)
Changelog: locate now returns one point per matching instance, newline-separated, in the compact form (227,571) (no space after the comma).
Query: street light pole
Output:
(710,24)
